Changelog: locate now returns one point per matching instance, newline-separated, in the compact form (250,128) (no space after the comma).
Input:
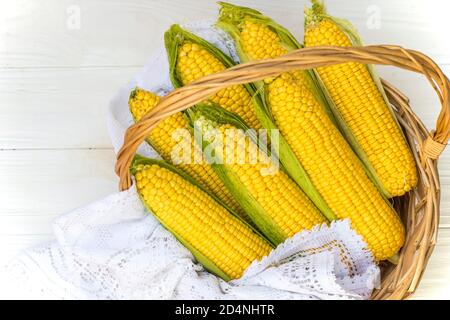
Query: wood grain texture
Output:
(57,108)
(48,182)
(115,32)
(58,73)
(435,283)
(37,185)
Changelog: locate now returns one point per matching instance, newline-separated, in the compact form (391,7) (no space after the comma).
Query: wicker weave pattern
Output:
(419,209)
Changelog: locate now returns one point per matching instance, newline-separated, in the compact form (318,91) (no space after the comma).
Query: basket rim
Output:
(422,204)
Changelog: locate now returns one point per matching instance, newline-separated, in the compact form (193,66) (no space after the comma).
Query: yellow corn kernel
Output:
(259,42)
(162,140)
(282,200)
(199,220)
(195,62)
(365,112)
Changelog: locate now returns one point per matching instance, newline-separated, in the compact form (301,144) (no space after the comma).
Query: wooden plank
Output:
(411,24)
(18,167)
(436,281)
(50,182)
(38,185)
(27,224)
(44,183)
(29,219)
(66,108)
(57,108)
(110,33)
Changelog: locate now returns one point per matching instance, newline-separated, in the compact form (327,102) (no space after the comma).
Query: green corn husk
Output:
(199,256)
(211,116)
(174,37)
(314,15)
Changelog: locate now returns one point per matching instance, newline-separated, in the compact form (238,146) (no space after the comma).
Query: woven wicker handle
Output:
(306,58)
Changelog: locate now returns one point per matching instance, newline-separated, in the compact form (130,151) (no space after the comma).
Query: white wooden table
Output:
(62,60)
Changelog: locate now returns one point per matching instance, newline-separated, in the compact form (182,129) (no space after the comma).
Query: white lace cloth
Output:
(114,249)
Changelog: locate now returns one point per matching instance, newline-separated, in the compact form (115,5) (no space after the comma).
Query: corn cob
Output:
(192,58)
(276,205)
(181,62)
(301,117)
(219,240)
(162,140)
(362,105)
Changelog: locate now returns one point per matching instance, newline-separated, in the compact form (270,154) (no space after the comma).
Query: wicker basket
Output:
(419,209)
